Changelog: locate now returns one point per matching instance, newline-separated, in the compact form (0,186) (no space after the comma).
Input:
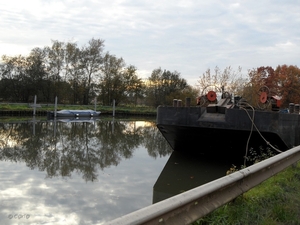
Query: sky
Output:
(187,36)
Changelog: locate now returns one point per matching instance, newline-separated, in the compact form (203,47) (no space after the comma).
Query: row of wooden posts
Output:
(34,105)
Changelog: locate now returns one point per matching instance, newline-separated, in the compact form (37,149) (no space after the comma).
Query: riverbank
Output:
(275,201)
(22,109)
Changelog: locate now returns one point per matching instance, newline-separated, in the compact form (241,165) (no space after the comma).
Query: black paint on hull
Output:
(193,129)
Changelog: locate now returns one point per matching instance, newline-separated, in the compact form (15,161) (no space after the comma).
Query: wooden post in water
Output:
(34,105)
(55,107)
(33,125)
(114,106)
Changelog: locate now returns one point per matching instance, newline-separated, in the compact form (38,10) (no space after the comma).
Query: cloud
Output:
(186,36)
(71,200)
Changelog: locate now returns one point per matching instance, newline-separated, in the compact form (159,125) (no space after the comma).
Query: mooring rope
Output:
(242,105)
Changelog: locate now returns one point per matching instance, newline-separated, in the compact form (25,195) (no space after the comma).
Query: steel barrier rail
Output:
(191,205)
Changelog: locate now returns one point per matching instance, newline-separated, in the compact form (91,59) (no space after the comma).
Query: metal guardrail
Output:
(189,206)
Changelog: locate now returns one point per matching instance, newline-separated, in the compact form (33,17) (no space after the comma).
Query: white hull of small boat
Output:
(75,113)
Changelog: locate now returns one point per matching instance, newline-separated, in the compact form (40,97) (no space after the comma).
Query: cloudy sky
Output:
(188,36)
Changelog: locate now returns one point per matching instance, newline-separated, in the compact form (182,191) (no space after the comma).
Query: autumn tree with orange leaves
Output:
(284,81)
(289,84)
(258,78)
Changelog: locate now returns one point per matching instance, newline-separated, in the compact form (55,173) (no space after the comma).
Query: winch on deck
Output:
(213,105)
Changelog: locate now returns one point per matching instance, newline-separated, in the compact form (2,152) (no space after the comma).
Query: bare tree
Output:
(231,80)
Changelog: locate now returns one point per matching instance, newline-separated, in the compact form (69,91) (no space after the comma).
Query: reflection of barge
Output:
(183,172)
(224,125)
(74,113)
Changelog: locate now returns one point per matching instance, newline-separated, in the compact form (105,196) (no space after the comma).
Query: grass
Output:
(274,202)
(130,109)
(14,107)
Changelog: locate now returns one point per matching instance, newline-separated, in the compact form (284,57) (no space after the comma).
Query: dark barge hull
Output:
(194,129)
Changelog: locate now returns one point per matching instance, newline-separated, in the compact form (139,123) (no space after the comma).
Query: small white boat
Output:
(76,120)
(66,113)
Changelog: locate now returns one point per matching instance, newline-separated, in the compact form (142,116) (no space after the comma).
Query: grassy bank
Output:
(275,201)
(127,109)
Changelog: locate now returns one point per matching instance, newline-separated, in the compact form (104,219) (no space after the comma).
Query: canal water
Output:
(91,171)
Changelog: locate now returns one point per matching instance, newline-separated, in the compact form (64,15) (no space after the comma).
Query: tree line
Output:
(76,75)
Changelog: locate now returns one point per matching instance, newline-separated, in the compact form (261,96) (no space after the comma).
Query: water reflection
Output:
(184,171)
(83,172)
(91,171)
(61,147)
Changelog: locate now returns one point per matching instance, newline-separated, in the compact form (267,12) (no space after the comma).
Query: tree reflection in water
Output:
(61,148)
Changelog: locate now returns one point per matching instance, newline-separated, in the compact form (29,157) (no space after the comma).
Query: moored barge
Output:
(225,124)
